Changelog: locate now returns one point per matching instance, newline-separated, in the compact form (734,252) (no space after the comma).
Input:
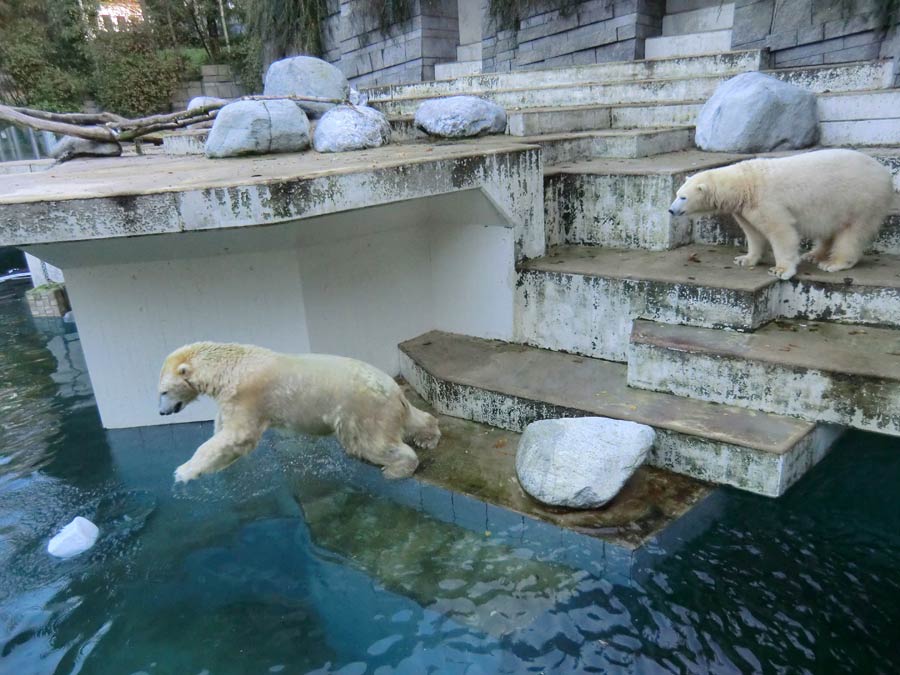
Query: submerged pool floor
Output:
(300,560)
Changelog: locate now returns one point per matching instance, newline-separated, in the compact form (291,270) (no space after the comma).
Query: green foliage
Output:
(285,26)
(41,52)
(246,61)
(131,76)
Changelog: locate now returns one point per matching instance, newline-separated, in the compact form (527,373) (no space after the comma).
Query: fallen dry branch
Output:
(110,128)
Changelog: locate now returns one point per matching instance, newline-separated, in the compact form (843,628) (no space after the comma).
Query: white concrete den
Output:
(439,252)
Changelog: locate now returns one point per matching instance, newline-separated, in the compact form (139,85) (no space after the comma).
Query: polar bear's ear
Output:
(184,369)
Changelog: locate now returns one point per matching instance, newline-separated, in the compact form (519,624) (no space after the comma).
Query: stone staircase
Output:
(636,315)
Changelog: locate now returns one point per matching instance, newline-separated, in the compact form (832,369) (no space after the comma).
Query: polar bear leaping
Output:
(312,393)
(838,198)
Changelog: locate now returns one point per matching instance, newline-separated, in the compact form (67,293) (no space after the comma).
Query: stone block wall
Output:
(575,33)
(218,81)
(353,39)
(810,32)
(48,300)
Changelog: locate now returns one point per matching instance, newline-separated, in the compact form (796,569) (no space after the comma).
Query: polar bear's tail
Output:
(421,428)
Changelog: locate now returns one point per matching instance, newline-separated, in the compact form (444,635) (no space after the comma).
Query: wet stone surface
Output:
(480,461)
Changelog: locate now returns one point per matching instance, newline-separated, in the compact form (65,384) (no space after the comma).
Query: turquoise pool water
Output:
(299,560)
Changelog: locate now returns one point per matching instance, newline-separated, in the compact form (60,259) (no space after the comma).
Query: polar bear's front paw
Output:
(783,272)
(184,473)
(835,265)
(746,260)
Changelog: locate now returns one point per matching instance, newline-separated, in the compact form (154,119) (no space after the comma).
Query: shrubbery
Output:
(131,76)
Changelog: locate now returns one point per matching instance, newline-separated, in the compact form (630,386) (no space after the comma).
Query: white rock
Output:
(580,462)
(201,101)
(70,147)
(460,117)
(753,112)
(349,127)
(258,127)
(307,76)
(76,537)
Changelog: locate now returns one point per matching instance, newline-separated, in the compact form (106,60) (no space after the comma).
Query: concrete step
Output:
(842,77)
(865,118)
(559,119)
(469,52)
(718,230)
(596,94)
(510,386)
(534,94)
(622,203)
(731,63)
(713,18)
(574,147)
(819,372)
(694,44)
(583,299)
(449,71)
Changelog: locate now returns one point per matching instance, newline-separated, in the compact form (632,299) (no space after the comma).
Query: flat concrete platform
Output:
(154,194)
(693,265)
(817,371)
(582,299)
(510,385)
(480,461)
(686,161)
(849,350)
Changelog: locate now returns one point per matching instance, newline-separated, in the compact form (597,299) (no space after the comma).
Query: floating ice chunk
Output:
(76,537)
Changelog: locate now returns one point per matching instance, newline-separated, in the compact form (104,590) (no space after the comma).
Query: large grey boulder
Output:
(460,117)
(753,112)
(580,462)
(351,128)
(258,127)
(307,76)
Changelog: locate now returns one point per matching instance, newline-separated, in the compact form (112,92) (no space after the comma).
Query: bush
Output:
(131,76)
(33,80)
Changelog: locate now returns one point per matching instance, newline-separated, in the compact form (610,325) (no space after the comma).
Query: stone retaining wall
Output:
(572,33)
(218,81)
(353,40)
(810,32)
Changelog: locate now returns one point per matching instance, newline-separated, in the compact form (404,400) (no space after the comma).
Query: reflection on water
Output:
(299,560)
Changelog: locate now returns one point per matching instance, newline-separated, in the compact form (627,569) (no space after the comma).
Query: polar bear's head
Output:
(175,388)
(693,196)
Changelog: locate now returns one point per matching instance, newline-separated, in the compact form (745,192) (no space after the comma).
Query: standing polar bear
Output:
(837,198)
(256,388)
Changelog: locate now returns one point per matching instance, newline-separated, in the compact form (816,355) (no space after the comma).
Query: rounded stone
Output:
(460,117)
(349,127)
(258,127)
(307,76)
(580,462)
(753,112)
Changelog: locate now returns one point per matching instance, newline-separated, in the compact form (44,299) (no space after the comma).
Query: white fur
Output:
(837,198)
(312,393)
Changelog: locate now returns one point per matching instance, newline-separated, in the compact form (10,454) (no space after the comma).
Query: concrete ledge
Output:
(583,299)
(631,143)
(728,63)
(509,386)
(122,197)
(822,372)
(621,203)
